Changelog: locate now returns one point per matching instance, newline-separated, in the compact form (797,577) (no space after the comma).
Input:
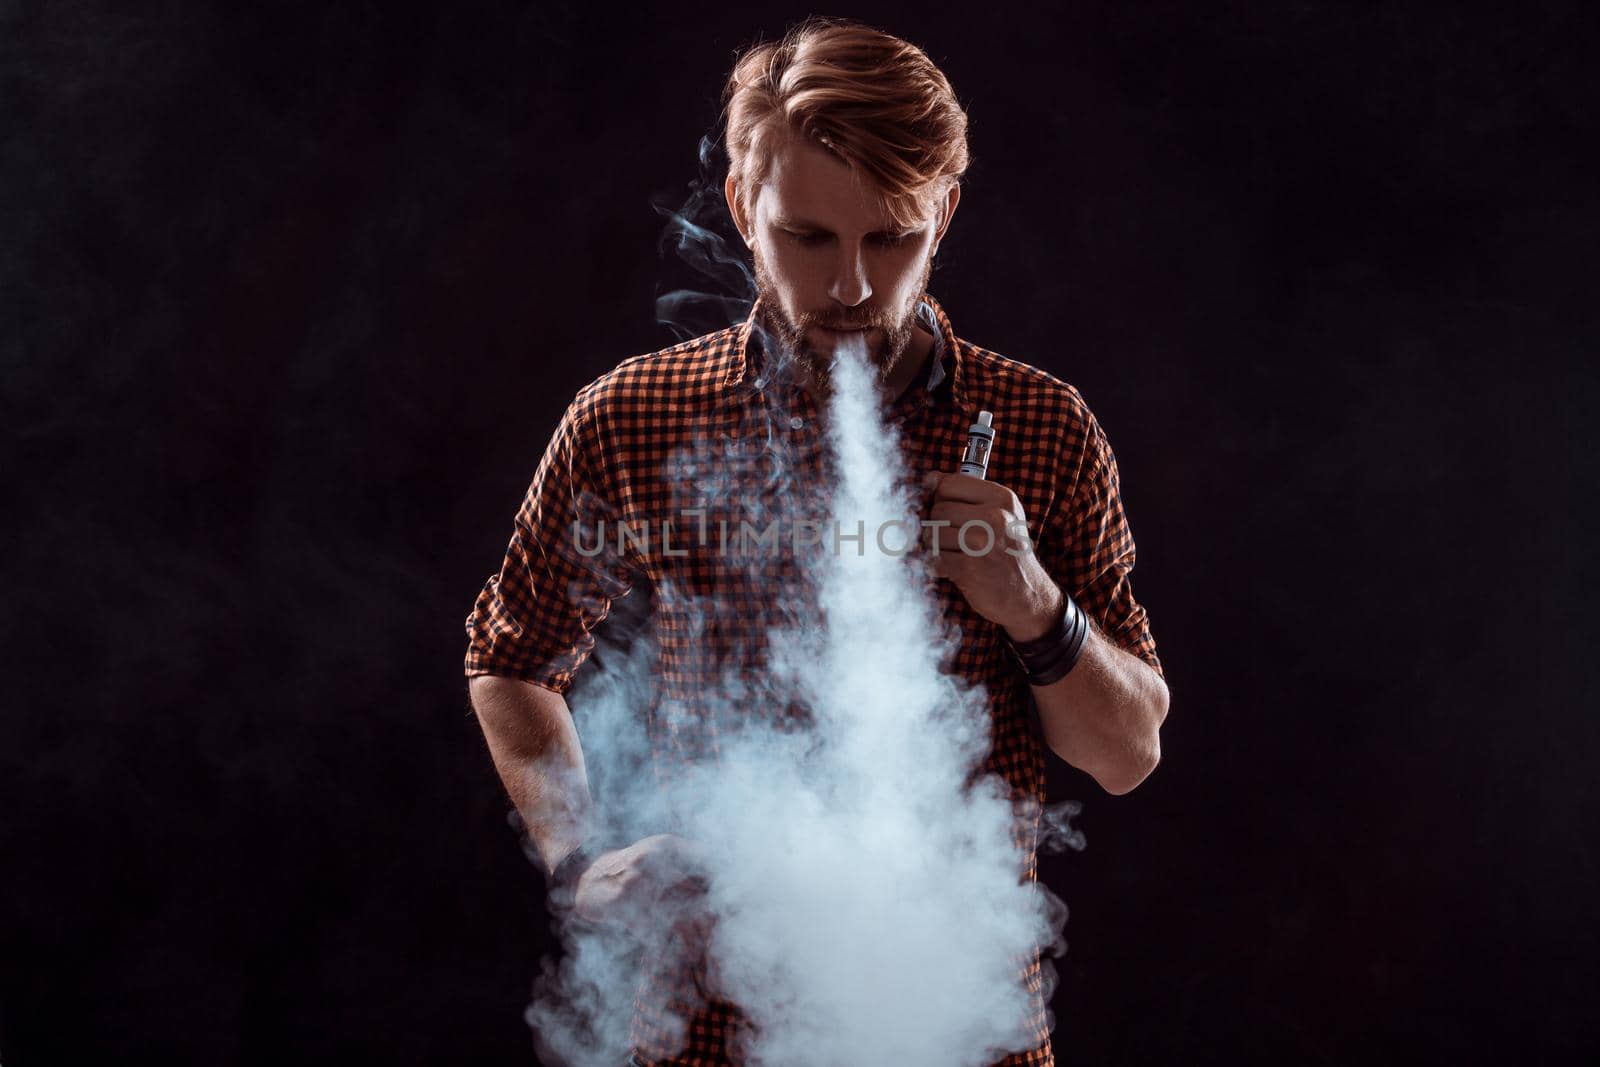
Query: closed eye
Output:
(886,240)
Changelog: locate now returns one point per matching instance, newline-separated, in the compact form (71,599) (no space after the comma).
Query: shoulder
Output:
(667,385)
(692,369)
(1031,399)
(1050,447)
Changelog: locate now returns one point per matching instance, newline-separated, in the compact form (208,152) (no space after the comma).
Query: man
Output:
(846,147)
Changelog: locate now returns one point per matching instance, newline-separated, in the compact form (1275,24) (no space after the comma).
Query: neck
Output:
(911,364)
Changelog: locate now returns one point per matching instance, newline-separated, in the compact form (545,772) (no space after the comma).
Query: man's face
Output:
(829,259)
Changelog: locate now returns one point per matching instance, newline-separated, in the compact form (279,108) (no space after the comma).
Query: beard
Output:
(897,324)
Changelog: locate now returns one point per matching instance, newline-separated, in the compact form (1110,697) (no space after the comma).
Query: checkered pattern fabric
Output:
(710,424)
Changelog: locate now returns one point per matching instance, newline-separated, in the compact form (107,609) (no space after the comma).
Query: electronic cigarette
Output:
(980,438)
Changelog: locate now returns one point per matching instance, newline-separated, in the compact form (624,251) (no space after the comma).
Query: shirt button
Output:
(795,422)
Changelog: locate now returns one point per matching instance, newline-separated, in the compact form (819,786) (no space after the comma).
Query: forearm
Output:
(1104,717)
(535,748)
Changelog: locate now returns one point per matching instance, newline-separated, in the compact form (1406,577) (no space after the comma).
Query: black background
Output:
(293,296)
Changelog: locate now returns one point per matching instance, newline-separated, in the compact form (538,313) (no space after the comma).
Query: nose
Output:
(850,286)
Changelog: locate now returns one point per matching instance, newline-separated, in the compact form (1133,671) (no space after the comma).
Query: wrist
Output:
(1041,621)
(562,883)
(1048,658)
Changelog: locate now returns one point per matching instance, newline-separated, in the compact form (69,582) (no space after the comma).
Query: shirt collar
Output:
(947,370)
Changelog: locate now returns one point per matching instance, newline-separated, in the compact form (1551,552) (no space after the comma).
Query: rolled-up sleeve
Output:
(534,619)
(1089,549)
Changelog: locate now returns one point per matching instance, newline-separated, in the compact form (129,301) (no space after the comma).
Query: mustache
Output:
(841,324)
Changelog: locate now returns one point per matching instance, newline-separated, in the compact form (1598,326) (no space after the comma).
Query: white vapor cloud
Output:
(869,903)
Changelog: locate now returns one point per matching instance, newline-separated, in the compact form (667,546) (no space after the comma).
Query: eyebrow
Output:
(789,222)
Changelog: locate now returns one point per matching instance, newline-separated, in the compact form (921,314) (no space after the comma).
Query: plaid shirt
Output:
(618,452)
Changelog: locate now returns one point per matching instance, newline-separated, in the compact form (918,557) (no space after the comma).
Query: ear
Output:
(730,192)
(948,212)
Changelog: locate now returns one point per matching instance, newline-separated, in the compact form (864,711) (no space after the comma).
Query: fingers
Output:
(632,886)
(621,883)
(691,855)
(963,488)
(990,513)
(685,889)
(694,939)
(975,531)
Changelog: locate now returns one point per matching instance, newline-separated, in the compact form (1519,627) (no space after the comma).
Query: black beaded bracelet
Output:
(1051,657)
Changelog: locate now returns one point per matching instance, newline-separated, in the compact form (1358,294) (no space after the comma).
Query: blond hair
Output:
(875,101)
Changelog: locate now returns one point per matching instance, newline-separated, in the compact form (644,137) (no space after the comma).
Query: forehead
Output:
(806,182)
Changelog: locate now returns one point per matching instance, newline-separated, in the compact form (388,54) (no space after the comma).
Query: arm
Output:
(1105,716)
(535,749)
(530,631)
